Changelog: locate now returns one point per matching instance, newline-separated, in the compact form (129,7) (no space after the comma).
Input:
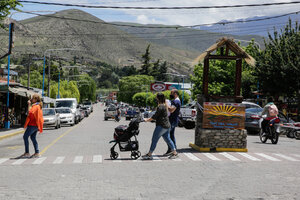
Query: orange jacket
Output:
(38,115)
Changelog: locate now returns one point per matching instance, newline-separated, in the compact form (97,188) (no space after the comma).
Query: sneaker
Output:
(23,156)
(173,156)
(168,153)
(147,157)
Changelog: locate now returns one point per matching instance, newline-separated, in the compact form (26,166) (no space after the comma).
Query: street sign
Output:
(158,87)
(223,115)
(173,86)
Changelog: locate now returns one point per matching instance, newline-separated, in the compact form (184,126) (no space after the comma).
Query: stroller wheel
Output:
(114,155)
(135,155)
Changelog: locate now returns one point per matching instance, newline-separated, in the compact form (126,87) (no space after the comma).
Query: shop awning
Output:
(21,91)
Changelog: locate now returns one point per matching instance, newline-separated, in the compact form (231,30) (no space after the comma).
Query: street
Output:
(76,164)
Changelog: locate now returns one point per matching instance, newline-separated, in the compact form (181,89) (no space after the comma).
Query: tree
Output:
(130,85)
(66,90)
(155,72)
(162,72)
(87,88)
(36,80)
(146,63)
(5,7)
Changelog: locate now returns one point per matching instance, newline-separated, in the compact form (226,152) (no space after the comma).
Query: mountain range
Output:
(117,44)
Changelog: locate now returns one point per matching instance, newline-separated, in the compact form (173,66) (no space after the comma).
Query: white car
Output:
(51,118)
(66,116)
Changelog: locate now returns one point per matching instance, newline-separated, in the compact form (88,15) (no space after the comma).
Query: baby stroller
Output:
(122,137)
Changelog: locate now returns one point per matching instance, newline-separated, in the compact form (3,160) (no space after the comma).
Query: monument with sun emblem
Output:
(221,119)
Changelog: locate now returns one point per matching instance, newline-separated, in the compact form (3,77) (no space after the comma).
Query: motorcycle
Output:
(272,130)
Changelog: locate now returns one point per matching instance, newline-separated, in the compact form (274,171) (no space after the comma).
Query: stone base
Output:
(197,148)
(214,138)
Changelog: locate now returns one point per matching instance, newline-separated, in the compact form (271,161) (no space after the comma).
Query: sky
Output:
(166,17)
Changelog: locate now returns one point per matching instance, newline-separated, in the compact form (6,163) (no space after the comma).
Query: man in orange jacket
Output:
(34,123)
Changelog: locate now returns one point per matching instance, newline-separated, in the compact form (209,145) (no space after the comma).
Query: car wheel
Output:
(105,119)
(189,125)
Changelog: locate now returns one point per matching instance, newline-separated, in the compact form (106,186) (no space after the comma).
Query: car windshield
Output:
(87,103)
(254,110)
(63,110)
(111,109)
(47,112)
(68,104)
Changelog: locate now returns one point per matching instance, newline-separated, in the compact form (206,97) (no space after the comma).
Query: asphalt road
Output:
(76,164)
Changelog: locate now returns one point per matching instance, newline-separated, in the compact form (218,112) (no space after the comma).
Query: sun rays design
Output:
(223,110)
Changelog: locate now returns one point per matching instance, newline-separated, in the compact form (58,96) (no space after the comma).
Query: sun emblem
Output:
(223,110)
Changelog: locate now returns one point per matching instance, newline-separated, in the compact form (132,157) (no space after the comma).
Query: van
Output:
(69,103)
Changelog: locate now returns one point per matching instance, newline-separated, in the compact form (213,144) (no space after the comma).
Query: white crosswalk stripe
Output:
(19,162)
(39,161)
(285,157)
(249,157)
(3,160)
(59,160)
(192,156)
(97,159)
(230,157)
(212,157)
(187,156)
(78,159)
(267,157)
(155,157)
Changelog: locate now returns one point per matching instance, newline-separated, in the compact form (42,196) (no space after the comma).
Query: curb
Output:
(11,135)
(197,148)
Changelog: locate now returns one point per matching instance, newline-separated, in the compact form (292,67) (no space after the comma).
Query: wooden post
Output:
(205,77)
(238,77)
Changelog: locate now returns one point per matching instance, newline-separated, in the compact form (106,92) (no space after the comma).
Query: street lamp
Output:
(49,50)
(182,89)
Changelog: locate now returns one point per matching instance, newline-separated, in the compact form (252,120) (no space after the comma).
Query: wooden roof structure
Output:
(227,45)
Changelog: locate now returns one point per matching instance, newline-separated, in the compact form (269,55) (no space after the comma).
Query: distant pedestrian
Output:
(34,123)
(162,128)
(174,109)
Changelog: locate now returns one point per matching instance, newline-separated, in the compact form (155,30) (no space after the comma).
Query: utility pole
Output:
(48,93)
(28,71)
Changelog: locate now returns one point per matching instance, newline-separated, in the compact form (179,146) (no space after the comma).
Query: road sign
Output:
(158,87)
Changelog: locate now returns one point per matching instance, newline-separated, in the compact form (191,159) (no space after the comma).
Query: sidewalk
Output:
(6,133)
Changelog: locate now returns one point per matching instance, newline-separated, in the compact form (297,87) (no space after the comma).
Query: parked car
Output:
(110,112)
(132,112)
(250,104)
(187,116)
(69,103)
(89,105)
(66,116)
(253,116)
(51,118)
(85,111)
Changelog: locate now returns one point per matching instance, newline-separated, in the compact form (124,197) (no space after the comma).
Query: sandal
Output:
(36,155)
(23,156)
(147,157)
(173,156)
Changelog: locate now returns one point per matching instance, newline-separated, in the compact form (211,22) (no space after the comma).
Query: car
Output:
(66,116)
(51,118)
(253,115)
(132,112)
(85,110)
(89,105)
(250,104)
(70,103)
(110,112)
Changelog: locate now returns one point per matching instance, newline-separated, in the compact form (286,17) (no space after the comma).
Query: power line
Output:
(166,27)
(161,8)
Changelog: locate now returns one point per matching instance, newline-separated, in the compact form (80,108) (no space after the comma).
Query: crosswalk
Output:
(183,157)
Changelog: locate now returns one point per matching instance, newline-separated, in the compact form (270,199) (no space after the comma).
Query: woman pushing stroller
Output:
(162,128)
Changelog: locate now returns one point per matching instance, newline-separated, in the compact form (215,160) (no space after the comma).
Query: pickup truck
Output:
(132,112)
(187,117)
(110,112)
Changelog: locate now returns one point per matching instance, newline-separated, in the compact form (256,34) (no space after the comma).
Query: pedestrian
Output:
(162,128)
(34,123)
(174,110)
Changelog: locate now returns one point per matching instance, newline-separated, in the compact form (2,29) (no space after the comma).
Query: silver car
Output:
(66,116)
(51,118)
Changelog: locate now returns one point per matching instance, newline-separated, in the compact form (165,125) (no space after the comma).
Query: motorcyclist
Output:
(269,112)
